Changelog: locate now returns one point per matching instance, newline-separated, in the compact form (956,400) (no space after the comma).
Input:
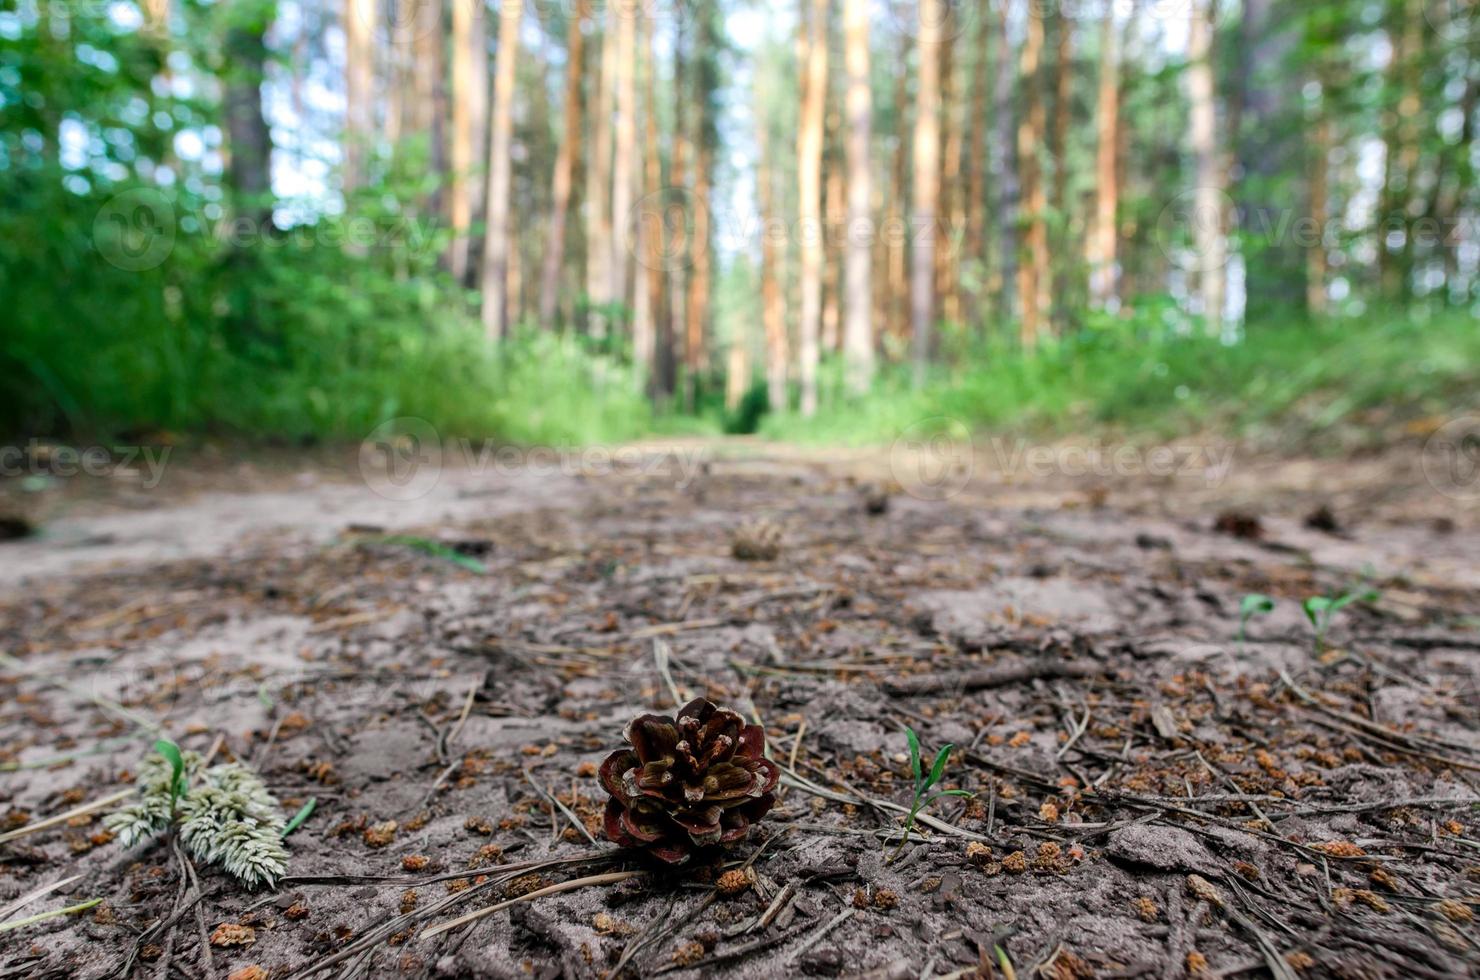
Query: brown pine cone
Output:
(688,782)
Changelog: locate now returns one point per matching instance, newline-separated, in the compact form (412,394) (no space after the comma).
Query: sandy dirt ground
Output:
(1152,796)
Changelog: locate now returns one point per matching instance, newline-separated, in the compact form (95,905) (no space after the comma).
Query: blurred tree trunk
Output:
(813,66)
(598,184)
(1320,207)
(624,167)
(359,91)
(978,146)
(1033,270)
(773,311)
(651,230)
(497,249)
(248,138)
(1403,150)
(430,93)
(834,212)
(459,192)
(554,254)
(858,331)
(678,271)
(705,142)
(1103,234)
(947,263)
(1208,216)
(1059,307)
(927,187)
(1000,279)
(898,237)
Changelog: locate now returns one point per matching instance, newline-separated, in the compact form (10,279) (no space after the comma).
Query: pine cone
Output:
(694,781)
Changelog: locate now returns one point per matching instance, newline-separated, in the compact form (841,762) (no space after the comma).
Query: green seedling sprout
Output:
(171,753)
(923,782)
(1321,610)
(1253,605)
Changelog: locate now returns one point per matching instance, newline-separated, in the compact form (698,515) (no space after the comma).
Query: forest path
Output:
(1074,629)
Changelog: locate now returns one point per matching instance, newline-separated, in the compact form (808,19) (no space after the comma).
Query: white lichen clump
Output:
(226,817)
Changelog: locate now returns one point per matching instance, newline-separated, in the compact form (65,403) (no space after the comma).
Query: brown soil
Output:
(1153,798)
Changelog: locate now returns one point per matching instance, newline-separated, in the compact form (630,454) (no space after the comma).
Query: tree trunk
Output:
(554,257)
(898,236)
(249,140)
(1103,235)
(650,231)
(625,161)
(1059,152)
(496,248)
(1403,152)
(1320,209)
(1033,270)
(809,184)
(359,91)
(431,93)
(858,331)
(978,146)
(927,189)
(1208,210)
(1000,280)
(773,311)
(460,182)
(947,265)
(598,185)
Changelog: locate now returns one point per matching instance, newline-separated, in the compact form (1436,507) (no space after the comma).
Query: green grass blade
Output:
(302,815)
(939,768)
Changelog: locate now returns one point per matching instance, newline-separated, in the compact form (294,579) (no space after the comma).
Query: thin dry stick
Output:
(661,653)
(7,911)
(574,820)
(76,811)
(609,878)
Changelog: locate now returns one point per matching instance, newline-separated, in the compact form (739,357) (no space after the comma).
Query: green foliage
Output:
(923,781)
(1252,605)
(435,549)
(1321,610)
(1294,385)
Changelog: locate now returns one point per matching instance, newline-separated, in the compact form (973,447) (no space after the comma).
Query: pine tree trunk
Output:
(809,184)
(947,267)
(1001,278)
(978,144)
(1059,153)
(897,237)
(249,140)
(858,331)
(650,231)
(431,93)
(1208,209)
(1103,236)
(923,231)
(1032,271)
(773,312)
(1320,210)
(624,166)
(359,90)
(598,184)
(460,182)
(497,246)
(554,256)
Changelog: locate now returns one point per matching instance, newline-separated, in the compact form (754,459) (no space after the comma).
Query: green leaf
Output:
(939,768)
(1371,595)
(1314,607)
(302,815)
(914,740)
(171,753)
(1256,604)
